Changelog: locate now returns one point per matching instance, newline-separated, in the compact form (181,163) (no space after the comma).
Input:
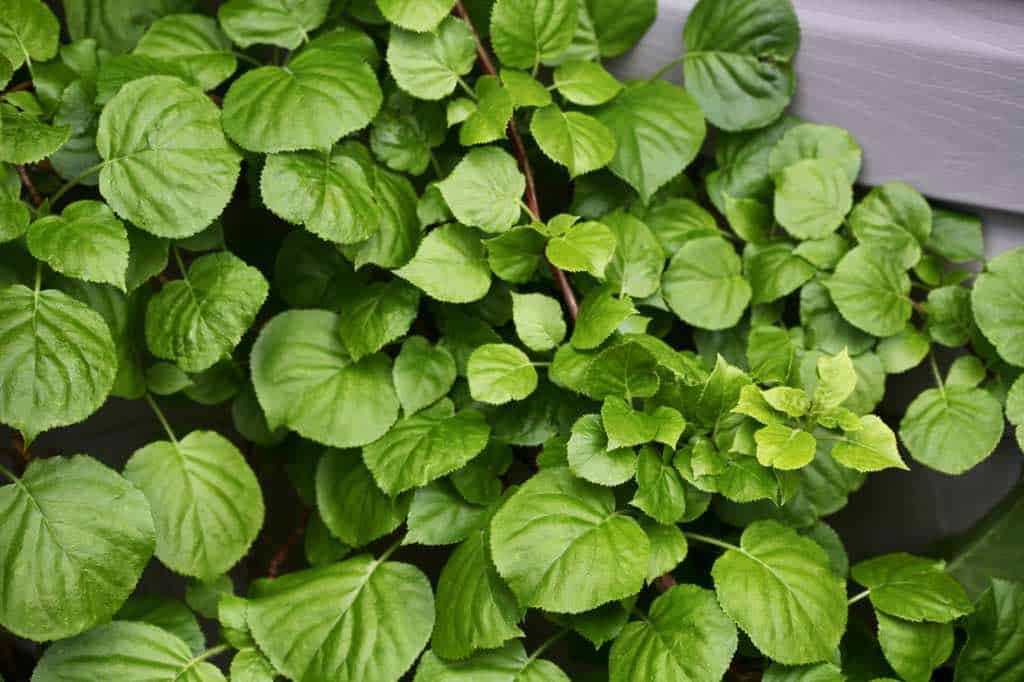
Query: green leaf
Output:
(658,127)
(325,624)
(675,221)
(193,42)
(538,320)
(810,141)
(525,90)
(382,313)
(499,373)
(837,379)
(353,508)
(126,651)
(305,380)
(743,159)
(249,665)
(507,664)
(661,493)
(14,213)
(320,547)
(774,271)
(28,32)
(205,597)
(439,515)
(46,386)
(684,637)
(779,589)
(998,308)
(120,70)
(168,614)
(949,316)
(912,588)
(704,286)
(526,32)
(321,96)
(956,236)
(820,672)
(147,257)
(1015,408)
(25,138)
(903,351)
(994,651)
(560,546)
(608,28)
(206,501)
(812,198)
(599,316)
(285,23)
(426,446)
(327,191)
(624,426)
(422,374)
(415,15)
(577,141)
(399,235)
(86,241)
(77,110)
(894,217)
(914,650)
(871,291)
(198,320)
(585,83)
(737,60)
(870,448)
(475,610)
(168,175)
(953,429)
(450,265)
(489,121)
(81,534)
(429,65)
(515,255)
(825,253)
(668,545)
(585,247)
(485,189)
(592,458)
(405,133)
(639,259)
(781,447)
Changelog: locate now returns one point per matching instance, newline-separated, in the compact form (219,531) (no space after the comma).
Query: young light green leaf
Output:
(737,61)
(912,588)
(499,373)
(352,506)
(872,291)
(507,664)
(14,213)
(526,32)
(206,501)
(812,198)
(26,139)
(327,191)
(894,217)
(422,374)
(82,534)
(684,637)
(449,265)
(780,447)
(585,247)
(659,129)
(626,427)
(475,609)
(305,380)
(439,515)
(526,91)
(837,379)
(382,313)
(28,32)
(249,665)
(320,625)
(675,221)
(415,15)
(810,141)
(904,351)
(801,614)
(429,65)
(577,141)
(668,544)
(967,371)
(126,651)
(489,120)
(538,320)
(994,651)
(49,388)
(285,23)
(639,259)
(168,176)
(86,241)
(661,493)
(193,42)
(560,546)
(599,316)
(198,320)
(914,650)
(586,83)
(395,242)
(704,286)
(872,447)
(485,189)
(997,306)
(952,429)
(269,109)
(592,458)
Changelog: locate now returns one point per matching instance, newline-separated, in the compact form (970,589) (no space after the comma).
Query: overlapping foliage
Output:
(508,311)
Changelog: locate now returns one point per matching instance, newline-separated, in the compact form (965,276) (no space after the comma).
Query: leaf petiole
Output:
(712,541)
(660,73)
(160,415)
(73,182)
(858,597)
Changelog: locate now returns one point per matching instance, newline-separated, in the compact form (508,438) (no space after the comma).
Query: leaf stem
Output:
(529,211)
(712,541)
(568,296)
(468,90)
(857,598)
(206,655)
(180,262)
(546,645)
(8,473)
(939,383)
(390,550)
(160,415)
(660,73)
(33,193)
(39,278)
(246,58)
(91,170)
(277,561)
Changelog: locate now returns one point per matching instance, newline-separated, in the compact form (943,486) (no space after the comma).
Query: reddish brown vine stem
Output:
(33,193)
(568,296)
(281,556)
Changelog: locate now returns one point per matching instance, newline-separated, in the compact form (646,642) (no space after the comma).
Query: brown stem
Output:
(664,583)
(281,556)
(568,296)
(24,85)
(33,193)
(23,454)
